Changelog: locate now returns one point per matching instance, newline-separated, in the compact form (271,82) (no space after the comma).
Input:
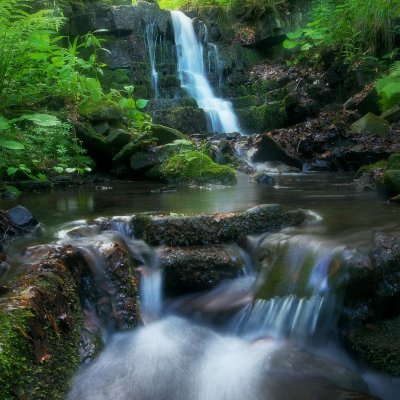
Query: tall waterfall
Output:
(221,117)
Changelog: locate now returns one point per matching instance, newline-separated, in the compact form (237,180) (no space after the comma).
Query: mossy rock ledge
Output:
(189,230)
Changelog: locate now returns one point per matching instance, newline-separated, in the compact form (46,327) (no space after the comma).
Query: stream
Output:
(245,339)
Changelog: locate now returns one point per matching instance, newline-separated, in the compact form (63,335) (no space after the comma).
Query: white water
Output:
(174,358)
(189,50)
(151,39)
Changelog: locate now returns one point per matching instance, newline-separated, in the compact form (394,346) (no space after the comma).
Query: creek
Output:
(245,338)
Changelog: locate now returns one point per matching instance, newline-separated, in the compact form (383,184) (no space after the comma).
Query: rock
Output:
(118,55)
(371,124)
(213,228)
(96,145)
(165,135)
(196,168)
(265,178)
(395,199)
(102,128)
(189,120)
(391,180)
(393,161)
(118,138)
(23,218)
(392,115)
(140,142)
(268,149)
(143,160)
(192,269)
(105,110)
(40,325)
(367,101)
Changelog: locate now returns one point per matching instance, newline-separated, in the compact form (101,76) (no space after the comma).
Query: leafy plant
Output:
(388,87)
(132,109)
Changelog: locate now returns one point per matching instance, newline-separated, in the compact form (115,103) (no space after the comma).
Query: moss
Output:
(104,110)
(165,134)
(196,167)
(40,334)
(115,79)
(393,161)
(371,168)
(391,180)
(246,101)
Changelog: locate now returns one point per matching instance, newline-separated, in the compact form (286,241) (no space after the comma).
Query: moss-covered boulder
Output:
(391,180)
(100,111)
(165,134)
(118,138)
(372,124)
(392,115)
(40,326)
(197,168)
(393,161)
(185,230)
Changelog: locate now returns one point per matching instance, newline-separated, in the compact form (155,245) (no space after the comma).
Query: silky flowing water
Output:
(247,338)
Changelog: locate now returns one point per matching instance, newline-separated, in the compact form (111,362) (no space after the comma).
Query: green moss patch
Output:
(196,167)
(371,168)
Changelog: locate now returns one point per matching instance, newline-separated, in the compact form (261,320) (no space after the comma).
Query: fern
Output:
(388,87)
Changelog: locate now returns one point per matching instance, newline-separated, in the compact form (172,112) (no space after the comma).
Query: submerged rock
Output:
(185,230)
(15,222)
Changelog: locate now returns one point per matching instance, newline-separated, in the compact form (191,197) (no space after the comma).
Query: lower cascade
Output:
(259,348)
(221,117)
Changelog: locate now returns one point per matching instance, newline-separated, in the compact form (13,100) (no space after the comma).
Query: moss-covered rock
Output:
(372,124)
(118,138)
(40,325)
(165,134)
(98,111)
(246,101)
(392,115)
(391,180)
(184,230)
(371,168)
(393,161)
(196,167)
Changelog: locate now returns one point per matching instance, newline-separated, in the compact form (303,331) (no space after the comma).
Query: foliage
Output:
(192,166)
(132,109)
(359,29)
(388,87)
(41,144)
(34,64)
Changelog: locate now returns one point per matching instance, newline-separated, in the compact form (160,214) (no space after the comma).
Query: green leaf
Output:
(41,177)
(4,125)
(41,119)
(70,170)
(141,103)
(295,35)
(59,169)
(38,56)
(289,44)
(129,89)
(306,46)
(11,170)
(12,145)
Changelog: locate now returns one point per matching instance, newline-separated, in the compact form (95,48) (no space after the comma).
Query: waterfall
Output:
(151,39)
(221,117)
(214,60)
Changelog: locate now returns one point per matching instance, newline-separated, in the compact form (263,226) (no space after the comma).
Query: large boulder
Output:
(391,180)
(371,124)
(184,230)
(393,161)
(266,148)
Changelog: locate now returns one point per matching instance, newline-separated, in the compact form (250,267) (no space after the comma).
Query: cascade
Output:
(151,39)
(221,117)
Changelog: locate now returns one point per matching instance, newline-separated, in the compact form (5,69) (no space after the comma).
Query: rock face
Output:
(372,124)
(214,228)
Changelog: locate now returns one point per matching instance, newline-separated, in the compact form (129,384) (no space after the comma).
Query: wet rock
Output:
(269,149)
(143,160)
(265,178)
(102,128)
(23,218)
(372,124)
(371,306)
(118,138)
(192,269)
(214,228)
(40,324)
